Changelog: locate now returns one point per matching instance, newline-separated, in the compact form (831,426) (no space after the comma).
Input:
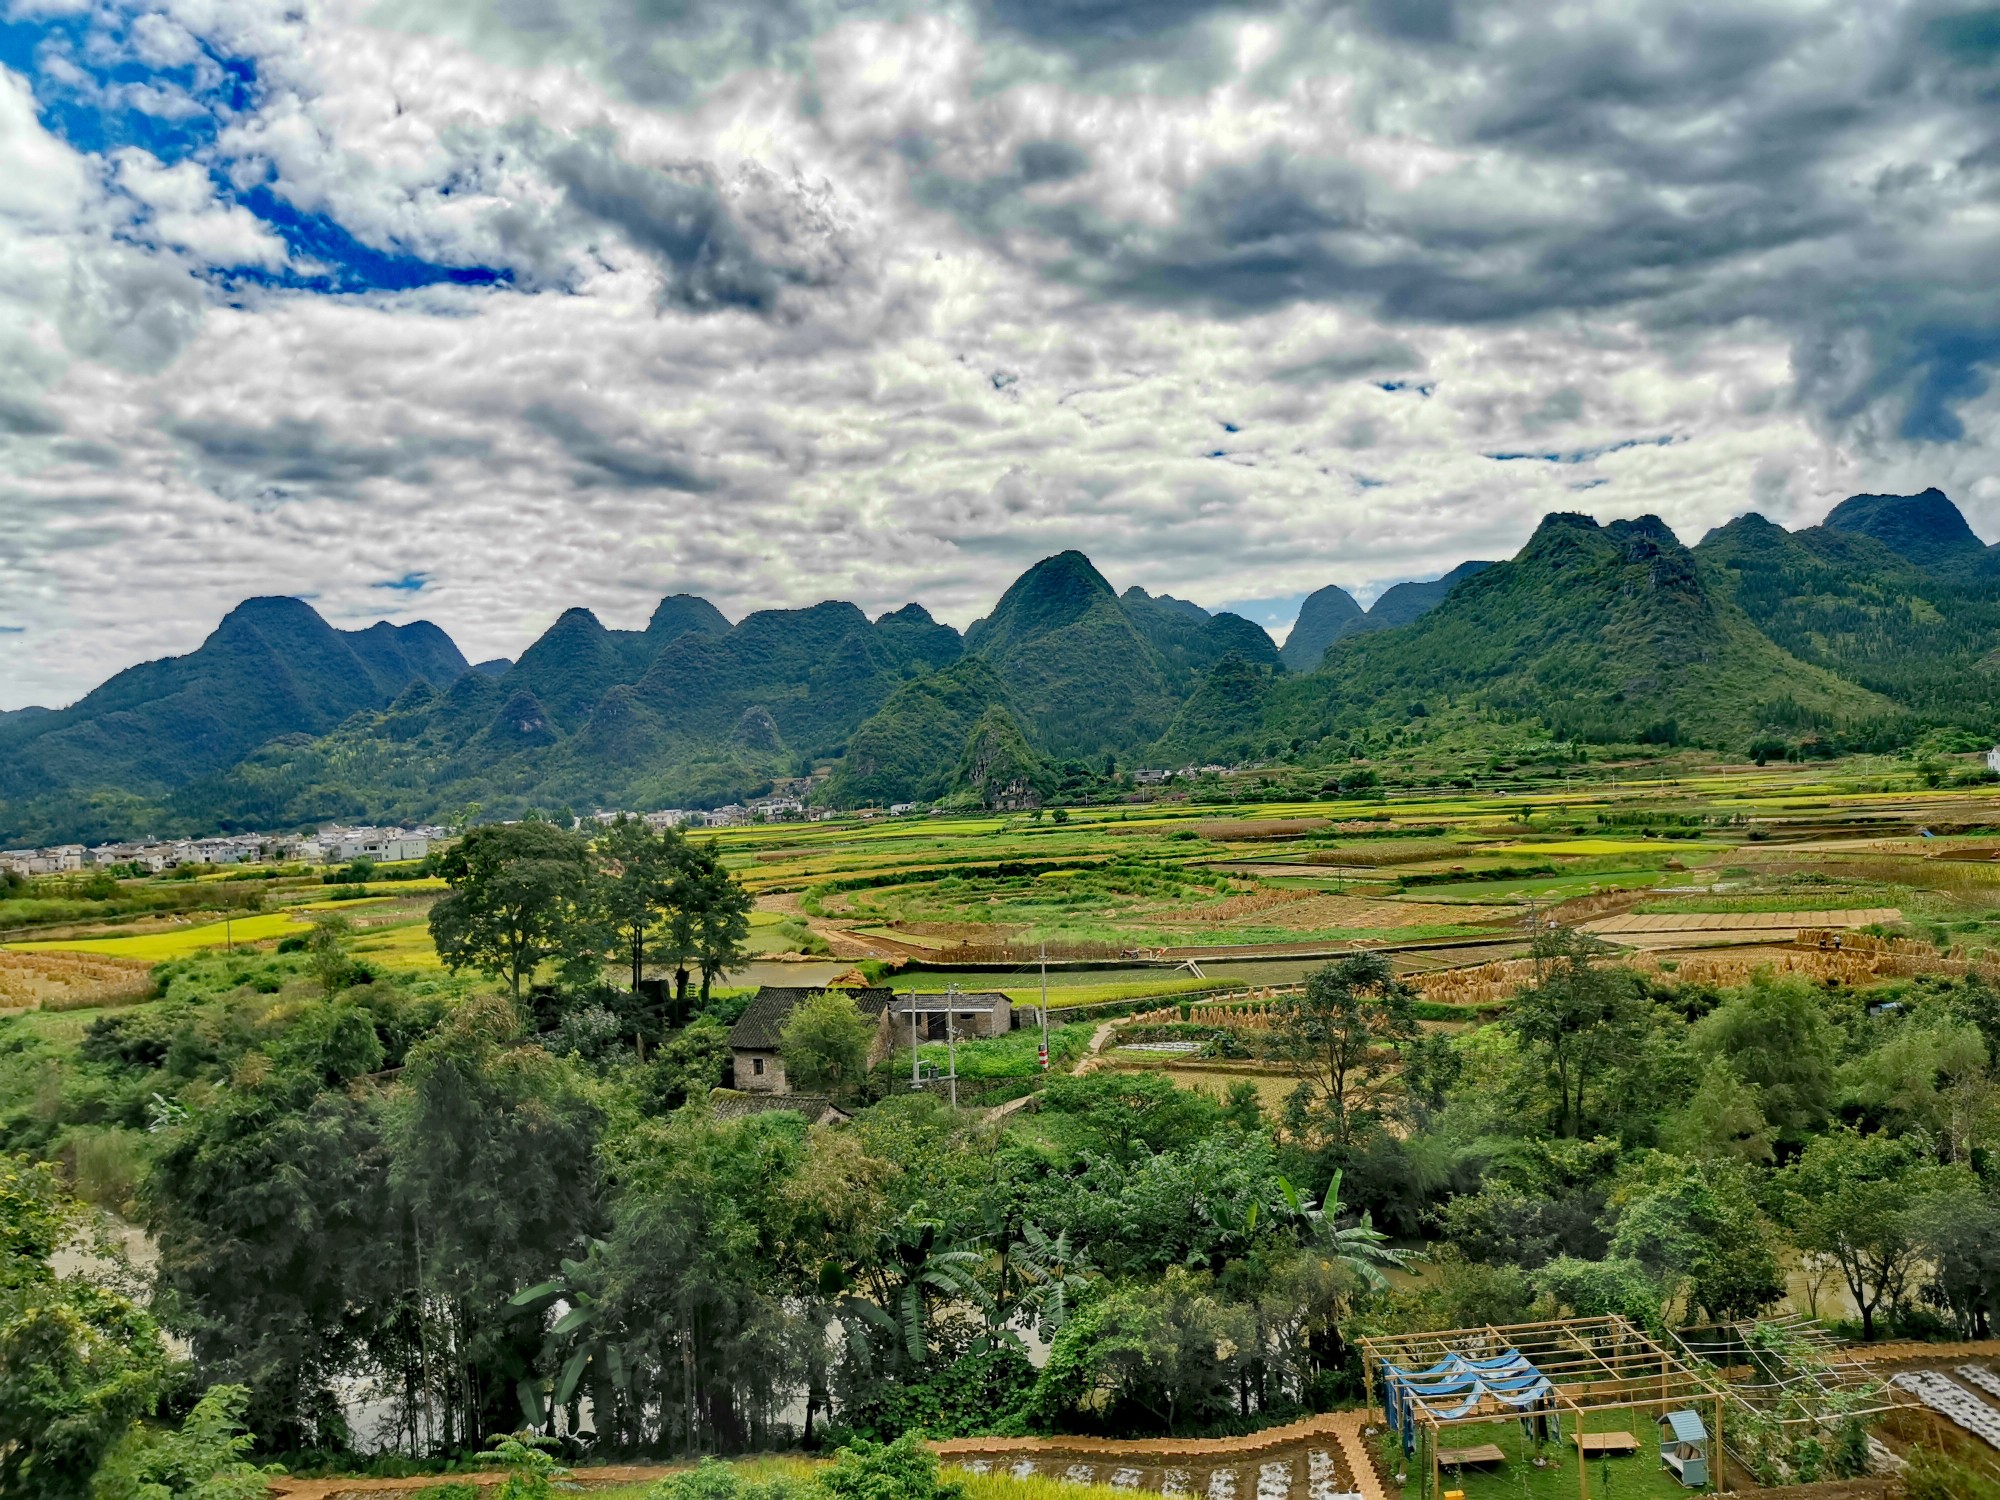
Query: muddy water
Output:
(1306,1471)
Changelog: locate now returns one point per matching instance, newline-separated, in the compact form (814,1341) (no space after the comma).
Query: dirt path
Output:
(1087,1062)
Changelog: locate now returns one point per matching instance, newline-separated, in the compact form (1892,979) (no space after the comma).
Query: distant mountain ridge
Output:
(272,667)
(1332,615)
(1882,620)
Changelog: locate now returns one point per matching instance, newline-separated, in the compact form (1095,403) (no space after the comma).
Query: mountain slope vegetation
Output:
(1866,629)
(273,667)
(1598,633)
(1845,600)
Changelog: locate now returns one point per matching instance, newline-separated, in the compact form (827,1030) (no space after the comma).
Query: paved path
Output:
(1346,1428)
(1087,1062)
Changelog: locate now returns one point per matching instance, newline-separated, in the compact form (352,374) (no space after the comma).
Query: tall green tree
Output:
(278,1241)
(1774,1034)
(521,894)
(1336,1033)
(1169,1354)
(494,1169)
(717,913)
(1856,1199)
(78,1362)
(326,952)
(639,867)
(706,1288)
(1577,1021)
(1959,1230)
(825,1044)
(1697,1228)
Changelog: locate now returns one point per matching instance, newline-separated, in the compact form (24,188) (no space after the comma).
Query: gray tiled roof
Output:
(935,1000)
(817,1108)
(757,1030)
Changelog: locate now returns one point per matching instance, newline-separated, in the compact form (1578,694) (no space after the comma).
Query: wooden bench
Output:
(1471,1458)
(1601,1444)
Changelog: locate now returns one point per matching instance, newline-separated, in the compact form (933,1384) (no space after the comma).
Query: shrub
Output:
(902,1470)
(712,1479)
(532,1473)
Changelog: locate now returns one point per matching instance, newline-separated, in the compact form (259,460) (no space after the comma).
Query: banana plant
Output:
(1235,1221)
(593,1349)
(1360,1247)
(1053,1274)
(910,1271)
(929,1271)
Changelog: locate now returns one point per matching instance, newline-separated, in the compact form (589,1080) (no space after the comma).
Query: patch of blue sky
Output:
(95,94)
(93,90)
(326,257)
(1276,615)
(1583,455)
(409,583)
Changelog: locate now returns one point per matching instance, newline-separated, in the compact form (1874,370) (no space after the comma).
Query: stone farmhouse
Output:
(754,1045)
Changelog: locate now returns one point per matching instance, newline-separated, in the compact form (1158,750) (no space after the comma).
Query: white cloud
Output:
(183,213)
(887,301)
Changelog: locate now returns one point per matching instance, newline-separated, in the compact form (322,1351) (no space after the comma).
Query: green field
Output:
(1638,1477)
(156,947)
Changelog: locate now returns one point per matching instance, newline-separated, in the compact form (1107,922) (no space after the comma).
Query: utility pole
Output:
(916,1078)
(1045,1007)
(951,1041)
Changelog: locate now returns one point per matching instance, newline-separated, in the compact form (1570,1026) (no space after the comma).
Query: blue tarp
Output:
(1454,1386)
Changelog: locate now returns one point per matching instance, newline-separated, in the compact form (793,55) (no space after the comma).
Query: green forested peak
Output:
(1056,592)
(997,765)
(1185,608)
(678,614)
(1326,615)
(1749,529)
(1926,528)
(1407,601)
(569,667)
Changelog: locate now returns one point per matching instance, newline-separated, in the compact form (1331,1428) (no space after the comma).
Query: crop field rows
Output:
(1655,863)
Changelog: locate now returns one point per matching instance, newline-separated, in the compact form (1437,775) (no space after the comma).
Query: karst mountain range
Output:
(1863,631)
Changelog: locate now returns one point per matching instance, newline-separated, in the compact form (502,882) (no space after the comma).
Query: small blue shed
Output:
(1684,1447)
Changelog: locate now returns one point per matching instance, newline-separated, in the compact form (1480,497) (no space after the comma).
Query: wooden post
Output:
(1715,1457)
(1437,1469)
(1582,1460)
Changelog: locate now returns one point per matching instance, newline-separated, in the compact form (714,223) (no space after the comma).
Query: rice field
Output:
(70,981)
(177,942)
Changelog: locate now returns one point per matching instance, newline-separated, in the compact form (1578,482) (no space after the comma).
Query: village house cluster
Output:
(1185,773)
(329,846)
(782,806)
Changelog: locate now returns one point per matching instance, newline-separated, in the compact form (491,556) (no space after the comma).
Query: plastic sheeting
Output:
(1454,1386)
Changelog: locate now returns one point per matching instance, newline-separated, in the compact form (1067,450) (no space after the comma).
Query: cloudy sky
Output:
(477,309)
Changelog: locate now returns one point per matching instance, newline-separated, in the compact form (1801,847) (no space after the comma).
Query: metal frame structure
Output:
(1594,1366)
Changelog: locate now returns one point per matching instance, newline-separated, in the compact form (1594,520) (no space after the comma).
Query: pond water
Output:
(1310,1470)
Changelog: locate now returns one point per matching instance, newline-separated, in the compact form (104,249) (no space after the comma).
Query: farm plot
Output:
(70,981)
(176,942)
(1691,929)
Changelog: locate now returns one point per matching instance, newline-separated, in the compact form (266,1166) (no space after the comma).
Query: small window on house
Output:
(757,1066)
